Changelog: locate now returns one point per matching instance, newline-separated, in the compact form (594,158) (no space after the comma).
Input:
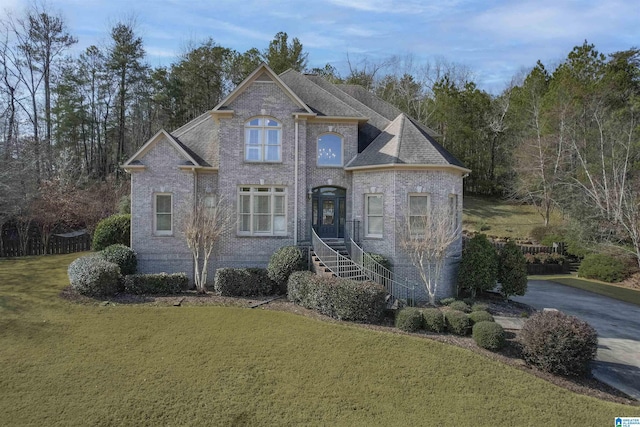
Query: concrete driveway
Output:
(618,325)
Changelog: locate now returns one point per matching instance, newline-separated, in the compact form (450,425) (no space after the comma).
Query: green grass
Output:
(617,292)
(504,219)
(68,364)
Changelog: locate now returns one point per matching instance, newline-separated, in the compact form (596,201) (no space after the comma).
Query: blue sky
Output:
(495,39)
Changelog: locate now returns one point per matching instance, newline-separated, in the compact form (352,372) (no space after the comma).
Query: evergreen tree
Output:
(479,266)
(512,270)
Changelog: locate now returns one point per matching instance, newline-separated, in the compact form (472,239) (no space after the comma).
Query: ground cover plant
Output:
(63,363)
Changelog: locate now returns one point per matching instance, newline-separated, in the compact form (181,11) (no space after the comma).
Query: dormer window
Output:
(330,150)
(263,140)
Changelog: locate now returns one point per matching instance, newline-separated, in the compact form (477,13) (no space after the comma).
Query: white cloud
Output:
(382,6)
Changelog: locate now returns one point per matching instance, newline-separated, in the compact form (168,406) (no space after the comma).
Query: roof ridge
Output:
(191,123)
(402,118)
(355,99)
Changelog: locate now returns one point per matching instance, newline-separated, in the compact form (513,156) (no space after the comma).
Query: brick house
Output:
(296,156)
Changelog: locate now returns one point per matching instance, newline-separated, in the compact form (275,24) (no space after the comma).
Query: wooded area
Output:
(558,138)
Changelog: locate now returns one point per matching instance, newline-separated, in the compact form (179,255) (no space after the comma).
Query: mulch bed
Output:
(510,354)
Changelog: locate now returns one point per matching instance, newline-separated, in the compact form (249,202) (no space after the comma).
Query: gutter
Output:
(295,189)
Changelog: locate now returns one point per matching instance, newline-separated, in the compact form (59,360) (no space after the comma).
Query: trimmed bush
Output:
(457,322)
(92,275)
(512,270)
(339,298)
(460,306)
(479,306)
(603,267)
(122,255)
(447,301)
(112,230)
(380,259)
(433,320)
(488,334)
(480,316)
(282,263)
(243,282)
(161,283)
(558,343)
(479,266)
(409,319)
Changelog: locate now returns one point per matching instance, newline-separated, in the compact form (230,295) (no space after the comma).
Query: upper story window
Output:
(453,211)
(374,215)
(418,212)
(163,214)
(330,150)
(263,140)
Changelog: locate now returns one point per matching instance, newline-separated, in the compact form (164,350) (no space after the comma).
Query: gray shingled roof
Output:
(317,99)
(199,136)
(404,142)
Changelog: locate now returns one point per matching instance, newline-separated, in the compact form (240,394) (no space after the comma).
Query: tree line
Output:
(560,138)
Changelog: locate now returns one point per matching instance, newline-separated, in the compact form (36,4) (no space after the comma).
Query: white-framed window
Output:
(163,214)
(262,211)
(418,212)
(453,211)
(263,140)
(374,215)
(330,150)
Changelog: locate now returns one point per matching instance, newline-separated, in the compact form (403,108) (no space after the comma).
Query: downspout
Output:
(295,188)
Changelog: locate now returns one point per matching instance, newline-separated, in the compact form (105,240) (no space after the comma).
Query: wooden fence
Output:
(58,244)
(557,248)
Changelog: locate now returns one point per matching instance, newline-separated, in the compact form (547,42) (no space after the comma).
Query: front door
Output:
(329,211)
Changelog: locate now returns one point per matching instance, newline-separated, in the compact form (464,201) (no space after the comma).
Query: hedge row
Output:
(161,283)
(243,282)
(339,298)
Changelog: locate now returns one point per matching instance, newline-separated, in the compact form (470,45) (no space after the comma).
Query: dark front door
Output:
(329,211)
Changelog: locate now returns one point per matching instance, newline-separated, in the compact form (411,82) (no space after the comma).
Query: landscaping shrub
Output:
(558,343)
(122,255)
(92,275)
(512,270)
(282,263)
(243,282)
(488,335)
(480,316)
(409,319)
(457,322)
(460,306)
(433,320)
(547,235)
(447,301)
(479,306)
(380,259)
(339,298)
(479,266)
(603,267)
(112,230)
(161,283)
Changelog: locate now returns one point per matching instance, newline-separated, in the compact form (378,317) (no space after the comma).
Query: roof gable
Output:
(186,153)
(263,74)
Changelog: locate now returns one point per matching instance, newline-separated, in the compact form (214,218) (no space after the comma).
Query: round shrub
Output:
(92,275)
(480,316)
(112,230)
(380,259)
(603,267)
(558,343)
(488,334)
(479,306)
(433,320)
(282,263)
(447,301)
(123,256)
(457,322)
(460,306)
(409,319)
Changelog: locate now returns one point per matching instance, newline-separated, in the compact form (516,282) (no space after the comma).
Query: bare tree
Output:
(204,226)
(428,237)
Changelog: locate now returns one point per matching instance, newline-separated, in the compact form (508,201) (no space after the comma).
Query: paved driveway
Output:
(617,323)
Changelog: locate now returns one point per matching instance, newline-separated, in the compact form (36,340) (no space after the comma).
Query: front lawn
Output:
(69,364)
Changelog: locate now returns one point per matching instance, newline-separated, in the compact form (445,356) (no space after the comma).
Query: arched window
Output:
(263,140)
(330,150)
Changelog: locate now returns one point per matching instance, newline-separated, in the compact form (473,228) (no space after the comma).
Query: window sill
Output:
(277,236)
(156,234)
(257,162)
(329,166)
(374,237)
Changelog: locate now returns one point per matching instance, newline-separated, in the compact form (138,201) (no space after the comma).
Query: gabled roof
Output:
(262,73)
(190,158)
(318,99)
(404,142)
